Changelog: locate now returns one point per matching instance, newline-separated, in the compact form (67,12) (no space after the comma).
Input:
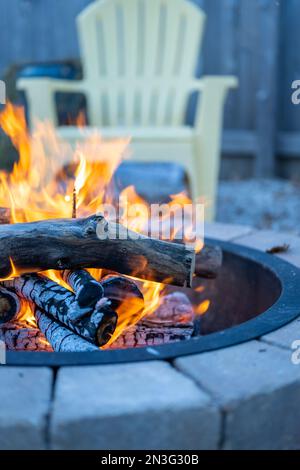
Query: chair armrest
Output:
(208,129)
(223,81)
(213,90)
(40,94)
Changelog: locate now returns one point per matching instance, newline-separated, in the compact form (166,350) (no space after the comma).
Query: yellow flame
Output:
(41,187)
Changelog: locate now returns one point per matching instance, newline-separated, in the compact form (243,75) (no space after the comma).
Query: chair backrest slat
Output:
(151,42)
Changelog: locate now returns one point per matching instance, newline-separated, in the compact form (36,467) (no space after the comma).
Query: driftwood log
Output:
(97,326)
(19,336)
(61,338)
(93,243)
(172,321)
(10,305)
(208,260)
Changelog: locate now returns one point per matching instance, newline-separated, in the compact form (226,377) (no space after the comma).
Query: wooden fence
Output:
(253,39)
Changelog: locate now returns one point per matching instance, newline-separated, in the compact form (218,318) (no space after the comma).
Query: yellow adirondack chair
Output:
(139,59)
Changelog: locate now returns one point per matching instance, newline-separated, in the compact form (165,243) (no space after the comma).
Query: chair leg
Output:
(204,180)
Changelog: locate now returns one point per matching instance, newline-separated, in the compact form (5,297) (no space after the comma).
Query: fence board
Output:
(266,97)
(240,39)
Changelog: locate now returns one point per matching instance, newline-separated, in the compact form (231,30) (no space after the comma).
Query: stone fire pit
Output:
(241,397)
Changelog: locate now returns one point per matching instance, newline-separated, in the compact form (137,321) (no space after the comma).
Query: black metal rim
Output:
(283,311)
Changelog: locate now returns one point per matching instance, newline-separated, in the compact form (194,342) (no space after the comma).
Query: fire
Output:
(202,308)
(41,183)
(13,273)
(54,180)
(129,314)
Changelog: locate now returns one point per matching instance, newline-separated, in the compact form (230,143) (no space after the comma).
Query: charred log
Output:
(97,326)
(143,335)
(87,290)
(121,290)
(61,338)
(9,305)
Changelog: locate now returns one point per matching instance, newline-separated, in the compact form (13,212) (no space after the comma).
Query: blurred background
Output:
(254,40)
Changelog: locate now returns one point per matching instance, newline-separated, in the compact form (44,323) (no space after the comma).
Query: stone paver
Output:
(257,387)
(25,395)
(132,406)
(266,239)
(226,232)
(284,336)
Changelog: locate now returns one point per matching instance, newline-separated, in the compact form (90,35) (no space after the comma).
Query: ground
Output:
(264,204)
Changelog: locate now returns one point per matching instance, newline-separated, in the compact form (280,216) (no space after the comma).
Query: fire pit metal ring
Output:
(285,309)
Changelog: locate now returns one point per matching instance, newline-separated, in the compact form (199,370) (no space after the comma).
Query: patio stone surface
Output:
(285,336)
(226,232)
(132,406)
(266,239)
(257,388)
(25,401)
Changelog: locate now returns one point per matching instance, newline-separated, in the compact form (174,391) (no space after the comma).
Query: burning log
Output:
(19,336)
(172,321)
(61,339)
(120,290)
(96,326)
(93,243)
(9,305)
(87,290)
(208,260)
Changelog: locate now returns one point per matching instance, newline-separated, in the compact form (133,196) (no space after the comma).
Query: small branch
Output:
(74,203)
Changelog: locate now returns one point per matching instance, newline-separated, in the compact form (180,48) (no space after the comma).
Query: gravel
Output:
(263,203)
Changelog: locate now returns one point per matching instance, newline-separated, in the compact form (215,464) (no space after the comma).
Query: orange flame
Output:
(15,272)
(203,307)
